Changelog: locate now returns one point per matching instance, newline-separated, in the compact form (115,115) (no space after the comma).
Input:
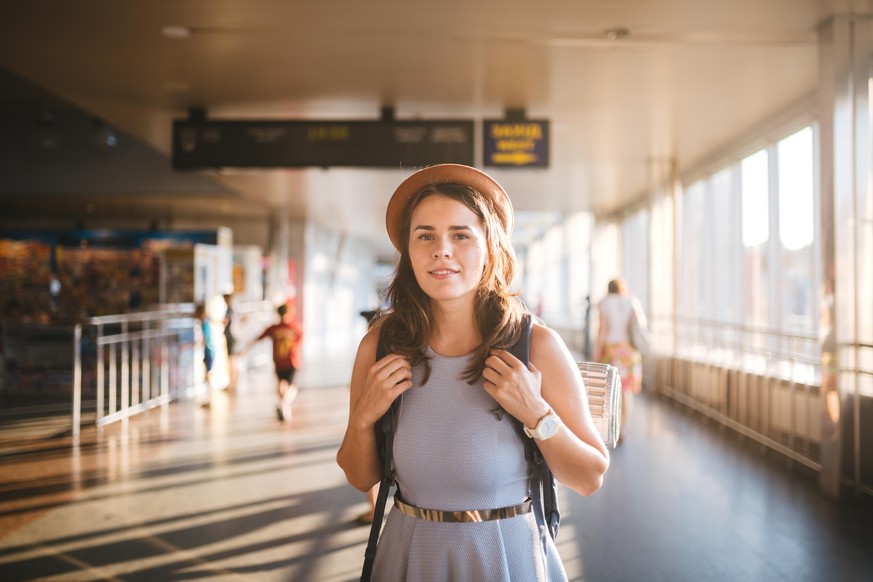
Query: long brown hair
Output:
(407,326)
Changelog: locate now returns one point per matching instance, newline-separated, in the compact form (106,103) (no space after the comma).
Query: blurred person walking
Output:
(286,336)
(620,315)
(207,339)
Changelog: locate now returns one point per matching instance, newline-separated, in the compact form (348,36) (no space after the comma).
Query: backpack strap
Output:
(544,488)
(385,447)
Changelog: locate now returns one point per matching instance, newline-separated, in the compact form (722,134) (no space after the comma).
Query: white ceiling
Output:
(691,76)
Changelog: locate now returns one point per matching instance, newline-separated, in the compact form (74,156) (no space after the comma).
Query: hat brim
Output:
(445,174)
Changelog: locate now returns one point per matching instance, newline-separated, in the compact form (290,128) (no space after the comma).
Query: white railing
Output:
(763,383)
(133,362)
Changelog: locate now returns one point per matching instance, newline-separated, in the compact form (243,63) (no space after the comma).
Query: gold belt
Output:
(468,516)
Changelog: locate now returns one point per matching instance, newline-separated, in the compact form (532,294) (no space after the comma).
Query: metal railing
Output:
(752,371)
(793,356)
(133,361)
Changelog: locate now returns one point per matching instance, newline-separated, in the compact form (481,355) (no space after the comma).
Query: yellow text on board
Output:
(516,136)
(328,132)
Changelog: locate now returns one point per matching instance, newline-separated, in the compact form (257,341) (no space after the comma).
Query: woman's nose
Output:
(441,250)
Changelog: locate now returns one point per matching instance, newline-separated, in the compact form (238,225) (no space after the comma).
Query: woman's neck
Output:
(454,331)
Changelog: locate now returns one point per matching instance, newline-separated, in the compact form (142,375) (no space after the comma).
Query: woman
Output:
(614,345)
(452,318)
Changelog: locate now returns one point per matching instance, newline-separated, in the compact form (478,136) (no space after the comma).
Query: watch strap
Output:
(534,432)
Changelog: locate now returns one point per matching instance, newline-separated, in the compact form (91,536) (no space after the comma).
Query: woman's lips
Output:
(442,273)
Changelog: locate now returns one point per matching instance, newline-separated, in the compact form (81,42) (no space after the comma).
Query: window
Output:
(691,258)
(725,245)
(579,233)
(756,233)
(635,254)
(796,231)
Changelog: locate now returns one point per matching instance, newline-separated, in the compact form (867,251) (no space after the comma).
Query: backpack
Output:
(544,488)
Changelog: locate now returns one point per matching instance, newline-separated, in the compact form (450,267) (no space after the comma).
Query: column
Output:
(847,241)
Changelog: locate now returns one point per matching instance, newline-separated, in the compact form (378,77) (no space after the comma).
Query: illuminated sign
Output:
(296,144)
(521,143)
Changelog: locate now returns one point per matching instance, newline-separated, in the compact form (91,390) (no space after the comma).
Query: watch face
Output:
(548,427)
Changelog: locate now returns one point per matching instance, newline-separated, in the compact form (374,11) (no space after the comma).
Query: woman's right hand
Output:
(385,381)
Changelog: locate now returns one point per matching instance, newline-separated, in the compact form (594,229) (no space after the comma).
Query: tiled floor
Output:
(229,493)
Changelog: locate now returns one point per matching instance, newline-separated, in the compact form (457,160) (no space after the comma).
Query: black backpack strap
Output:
(385,446)
(544,488)
(521,348)
(550,501)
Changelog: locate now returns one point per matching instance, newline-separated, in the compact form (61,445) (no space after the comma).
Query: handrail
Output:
(159,314)
(140,366)
(793,348)
(763,330)
(141,360)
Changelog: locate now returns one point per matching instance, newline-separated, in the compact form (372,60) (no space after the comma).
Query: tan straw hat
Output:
(445,174)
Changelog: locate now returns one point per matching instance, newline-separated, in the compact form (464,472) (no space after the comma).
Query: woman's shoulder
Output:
(544,338)
(367,346)
(550,354)
(370,341)
(371,338)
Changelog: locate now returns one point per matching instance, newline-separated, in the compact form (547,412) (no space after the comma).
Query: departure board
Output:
(299,144)
(520,143)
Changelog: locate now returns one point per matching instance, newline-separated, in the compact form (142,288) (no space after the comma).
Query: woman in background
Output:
(615,346)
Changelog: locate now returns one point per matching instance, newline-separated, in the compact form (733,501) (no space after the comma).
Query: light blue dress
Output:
(451,452)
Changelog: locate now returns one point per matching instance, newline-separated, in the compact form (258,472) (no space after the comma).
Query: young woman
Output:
(614,344)
(452,319)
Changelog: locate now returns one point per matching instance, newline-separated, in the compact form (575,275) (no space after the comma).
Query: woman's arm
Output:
(576,454)
(374,386)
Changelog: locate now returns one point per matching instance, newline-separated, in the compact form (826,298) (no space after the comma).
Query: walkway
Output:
(229,493)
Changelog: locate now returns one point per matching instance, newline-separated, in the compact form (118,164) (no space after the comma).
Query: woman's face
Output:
(447,248)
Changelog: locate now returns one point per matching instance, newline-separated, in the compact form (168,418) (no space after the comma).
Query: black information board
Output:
(520,143)
(297,144)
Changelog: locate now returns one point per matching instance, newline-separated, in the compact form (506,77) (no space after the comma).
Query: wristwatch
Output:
(546,427)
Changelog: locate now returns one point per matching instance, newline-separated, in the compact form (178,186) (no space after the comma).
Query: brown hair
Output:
(407,327)
(617,286)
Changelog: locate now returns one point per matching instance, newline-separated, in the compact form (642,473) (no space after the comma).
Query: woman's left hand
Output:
(516,388)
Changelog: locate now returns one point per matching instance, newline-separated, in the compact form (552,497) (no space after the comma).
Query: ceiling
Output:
(683,78)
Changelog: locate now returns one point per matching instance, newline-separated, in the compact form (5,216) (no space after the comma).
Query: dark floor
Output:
(229,493)
(687,499)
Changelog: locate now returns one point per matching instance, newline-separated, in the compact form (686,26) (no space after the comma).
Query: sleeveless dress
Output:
(618,350)
(452,452)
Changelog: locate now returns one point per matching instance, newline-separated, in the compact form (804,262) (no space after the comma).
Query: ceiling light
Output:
(177,31)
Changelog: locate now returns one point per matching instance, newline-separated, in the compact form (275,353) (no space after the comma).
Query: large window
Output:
(690,295)
(725,247)
(635,254)
(748,272)
(755,185)
(579,232)
(554,292)
(797,231)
